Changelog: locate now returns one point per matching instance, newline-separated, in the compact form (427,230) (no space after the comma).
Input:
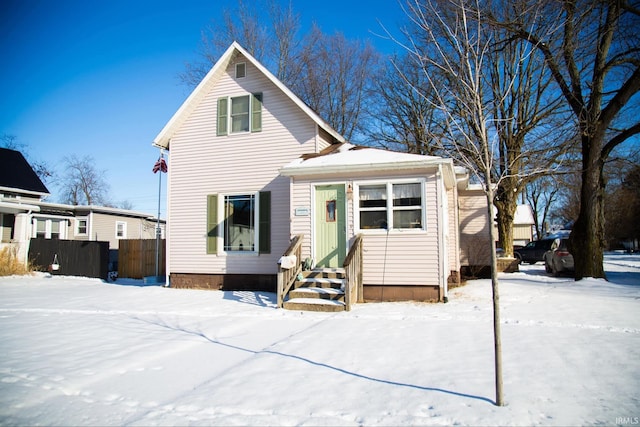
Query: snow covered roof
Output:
(347,157)
(198,94)
(523,216)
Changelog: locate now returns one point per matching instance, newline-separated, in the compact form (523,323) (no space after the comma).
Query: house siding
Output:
(202,163)
(474,229)
(102,227)
(396,258)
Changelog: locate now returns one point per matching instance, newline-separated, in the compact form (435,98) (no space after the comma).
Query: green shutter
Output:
(222,116)
(212,223)
(256,112)
(264,239)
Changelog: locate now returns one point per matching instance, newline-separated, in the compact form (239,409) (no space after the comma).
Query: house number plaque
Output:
(302,212)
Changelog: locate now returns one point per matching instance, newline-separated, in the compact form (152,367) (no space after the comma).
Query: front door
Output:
(331,226)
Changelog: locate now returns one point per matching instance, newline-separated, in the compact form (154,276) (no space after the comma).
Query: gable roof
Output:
(16,174)
(191,103)
(347,157)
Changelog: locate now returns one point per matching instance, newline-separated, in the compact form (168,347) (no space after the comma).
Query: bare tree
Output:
(452,52)
(334,78)
(41,168)
(542,195)
(328,72)
(81,183)
(273,41)
(594,57)
(405,119)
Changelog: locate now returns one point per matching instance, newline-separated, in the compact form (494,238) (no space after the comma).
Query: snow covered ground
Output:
(76,351)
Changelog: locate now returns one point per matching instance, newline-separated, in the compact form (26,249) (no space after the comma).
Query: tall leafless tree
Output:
(451,48)
(329,72)
(593,54)
(404,119)
(81,183)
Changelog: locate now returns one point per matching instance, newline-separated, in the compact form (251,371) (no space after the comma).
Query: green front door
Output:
(331,226)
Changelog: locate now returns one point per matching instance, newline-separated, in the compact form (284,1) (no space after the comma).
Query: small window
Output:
(240,114)
(55,230)
(82,228)
(407,206)
(373,207)
(241,70)
(121,230)
(331,211)
(41,228)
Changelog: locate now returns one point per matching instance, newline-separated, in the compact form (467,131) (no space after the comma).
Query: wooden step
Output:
(314,304)
(317,293)
(319,282)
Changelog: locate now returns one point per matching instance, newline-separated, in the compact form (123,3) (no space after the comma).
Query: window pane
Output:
(373,220)
(239,230)
(406,194)
(373,196)
(55,229)
(240,114)
(407,219)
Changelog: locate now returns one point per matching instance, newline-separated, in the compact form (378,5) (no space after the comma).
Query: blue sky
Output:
(99,78)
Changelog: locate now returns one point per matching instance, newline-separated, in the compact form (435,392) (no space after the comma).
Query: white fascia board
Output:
(302,170)
(23,191)
(164,137)
(17,207)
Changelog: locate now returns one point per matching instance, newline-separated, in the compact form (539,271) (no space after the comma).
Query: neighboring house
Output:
(474,227)
(253,166)
(24,214)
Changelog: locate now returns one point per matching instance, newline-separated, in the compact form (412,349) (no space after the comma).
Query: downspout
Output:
(441,233)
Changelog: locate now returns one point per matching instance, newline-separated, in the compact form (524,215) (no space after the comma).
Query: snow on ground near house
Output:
(78,351)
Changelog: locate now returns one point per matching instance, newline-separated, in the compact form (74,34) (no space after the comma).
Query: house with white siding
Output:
(261,189)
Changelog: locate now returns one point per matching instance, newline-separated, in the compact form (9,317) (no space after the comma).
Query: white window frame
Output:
(86,226)
(48,227)
(124,229)
(231,114)
(390,209)
(256,221)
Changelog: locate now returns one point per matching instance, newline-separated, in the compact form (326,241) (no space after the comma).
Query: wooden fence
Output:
(137,258)
(72,257)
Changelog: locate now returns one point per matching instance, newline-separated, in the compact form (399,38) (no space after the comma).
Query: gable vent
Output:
(241,70)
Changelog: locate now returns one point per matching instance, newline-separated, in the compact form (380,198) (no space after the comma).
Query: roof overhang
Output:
(372,161)
(17,207)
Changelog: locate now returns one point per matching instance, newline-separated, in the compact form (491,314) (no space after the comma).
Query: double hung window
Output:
(241,222)
(391,206)
(237,114)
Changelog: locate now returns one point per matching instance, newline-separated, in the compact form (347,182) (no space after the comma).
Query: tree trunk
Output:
(587,237)
(506,204)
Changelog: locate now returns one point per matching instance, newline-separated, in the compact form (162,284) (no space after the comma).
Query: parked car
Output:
(558,260)
(534,251)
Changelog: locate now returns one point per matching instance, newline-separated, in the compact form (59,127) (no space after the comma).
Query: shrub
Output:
(10,264)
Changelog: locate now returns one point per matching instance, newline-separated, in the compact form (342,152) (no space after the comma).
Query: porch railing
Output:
(287,276)
(352,265)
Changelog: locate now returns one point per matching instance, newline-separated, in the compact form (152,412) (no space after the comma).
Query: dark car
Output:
(558,260)
(534,251)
